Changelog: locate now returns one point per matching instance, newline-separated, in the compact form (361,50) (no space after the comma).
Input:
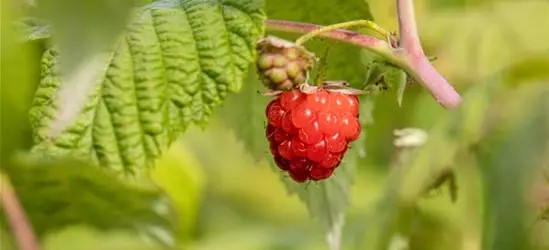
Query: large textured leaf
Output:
(62,192)
(177,60)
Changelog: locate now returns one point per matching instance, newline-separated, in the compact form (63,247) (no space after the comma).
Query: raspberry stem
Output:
(17,220)
(409,56)
(357,23)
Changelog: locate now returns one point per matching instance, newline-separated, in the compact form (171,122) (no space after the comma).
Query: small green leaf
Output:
(59,192)
(381,76)
(398,77)
(322,67)
(373,80)
(176,61)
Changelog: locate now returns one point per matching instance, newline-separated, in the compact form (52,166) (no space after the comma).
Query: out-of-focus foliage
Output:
(489,153)
(61,192)
(17,77)
(179,172)
(92,239)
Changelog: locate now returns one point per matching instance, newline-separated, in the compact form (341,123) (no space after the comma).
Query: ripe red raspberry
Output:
(309,133)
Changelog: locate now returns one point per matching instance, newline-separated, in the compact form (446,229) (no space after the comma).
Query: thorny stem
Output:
(409,56)
(358,23)
(21,228)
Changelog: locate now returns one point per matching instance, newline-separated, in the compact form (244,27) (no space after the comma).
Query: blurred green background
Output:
(227,198)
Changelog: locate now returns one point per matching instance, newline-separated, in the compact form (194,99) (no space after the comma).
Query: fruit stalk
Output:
(409,55)
(358,23)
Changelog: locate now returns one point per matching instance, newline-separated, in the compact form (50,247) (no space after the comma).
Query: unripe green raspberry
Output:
(281,64)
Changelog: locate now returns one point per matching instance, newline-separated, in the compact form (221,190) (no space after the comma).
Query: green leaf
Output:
(244,113)
(61,192)
(180,175)
(176,61)
(328,200)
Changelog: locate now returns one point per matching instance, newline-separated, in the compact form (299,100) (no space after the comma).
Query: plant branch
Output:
(20,226)
(409,57)
(407,28)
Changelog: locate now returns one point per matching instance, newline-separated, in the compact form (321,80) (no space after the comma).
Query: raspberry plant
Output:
(116,94)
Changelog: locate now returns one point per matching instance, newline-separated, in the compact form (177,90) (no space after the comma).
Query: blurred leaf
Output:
(177,61)
(179,174)
(32,28)
(17,87)
(534,68)
(486,38)
(87,238)
(513,153)
(6,242)
(328,200)
(57,193)
(456,130)
(341,64)
(99,24)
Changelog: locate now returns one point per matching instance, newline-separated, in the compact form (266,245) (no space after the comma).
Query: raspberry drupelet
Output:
(309,133)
